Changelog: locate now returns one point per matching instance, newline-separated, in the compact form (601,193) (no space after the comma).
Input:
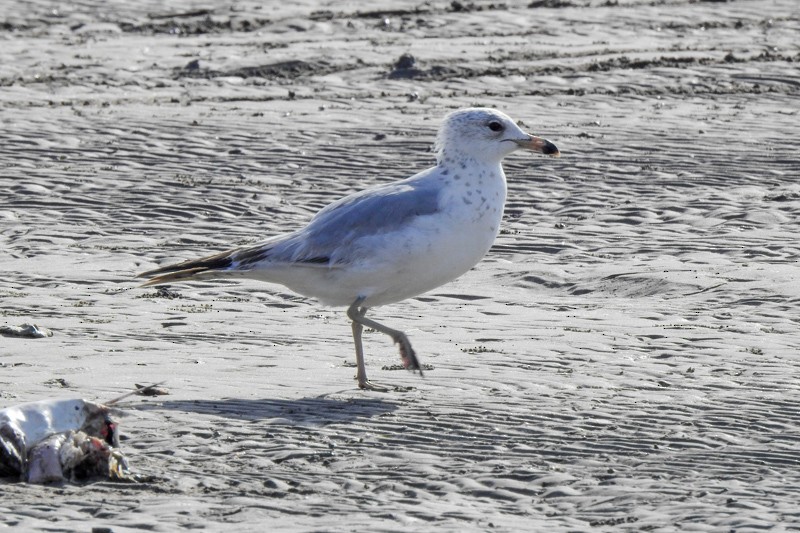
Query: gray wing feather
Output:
(335,231)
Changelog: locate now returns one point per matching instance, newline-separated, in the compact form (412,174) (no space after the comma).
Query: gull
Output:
(389,242)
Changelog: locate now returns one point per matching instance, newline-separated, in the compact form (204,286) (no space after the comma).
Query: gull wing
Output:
(330,239)
(333,233)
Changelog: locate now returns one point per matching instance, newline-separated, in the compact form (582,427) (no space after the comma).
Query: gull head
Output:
(484,135)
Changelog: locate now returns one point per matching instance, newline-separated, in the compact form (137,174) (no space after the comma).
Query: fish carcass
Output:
(60,440)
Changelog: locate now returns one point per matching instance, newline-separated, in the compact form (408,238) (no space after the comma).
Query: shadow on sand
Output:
(305,411)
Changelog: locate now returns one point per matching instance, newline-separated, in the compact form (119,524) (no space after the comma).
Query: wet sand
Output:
(625,358)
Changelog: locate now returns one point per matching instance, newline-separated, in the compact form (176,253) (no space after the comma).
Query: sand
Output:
(626,357)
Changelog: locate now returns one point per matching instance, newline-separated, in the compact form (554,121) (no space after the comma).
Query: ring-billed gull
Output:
(390,242)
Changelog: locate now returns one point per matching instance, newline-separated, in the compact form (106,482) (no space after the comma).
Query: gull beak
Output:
(537,144)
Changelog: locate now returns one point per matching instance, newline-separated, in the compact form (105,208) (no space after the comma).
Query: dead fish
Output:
(68,439)
(23,427)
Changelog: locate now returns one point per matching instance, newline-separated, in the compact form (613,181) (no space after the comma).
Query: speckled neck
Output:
(459,160)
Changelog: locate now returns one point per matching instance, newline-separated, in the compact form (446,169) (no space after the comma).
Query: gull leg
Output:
(407,354)
(361,374)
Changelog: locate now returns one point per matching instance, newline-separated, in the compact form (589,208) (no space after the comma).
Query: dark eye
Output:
(495,126)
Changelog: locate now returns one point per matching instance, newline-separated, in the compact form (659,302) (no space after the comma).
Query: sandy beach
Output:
(624,359)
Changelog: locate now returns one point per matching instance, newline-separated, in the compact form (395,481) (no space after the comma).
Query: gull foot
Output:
(368,385)
(409,356)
